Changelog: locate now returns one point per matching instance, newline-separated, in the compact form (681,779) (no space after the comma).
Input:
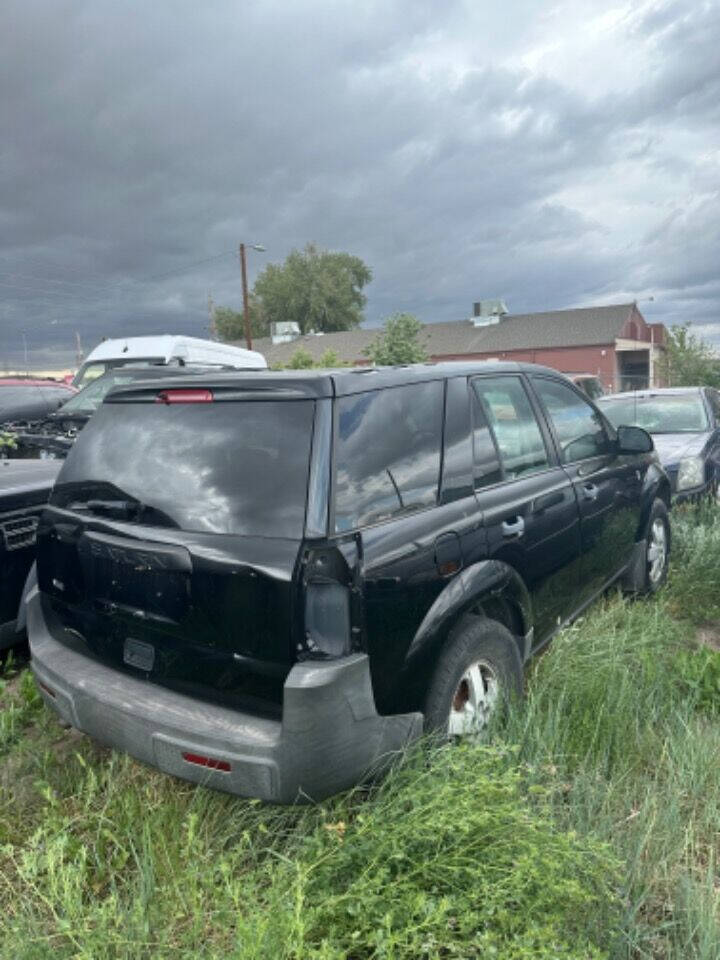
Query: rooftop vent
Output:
(486,312)
(284,332)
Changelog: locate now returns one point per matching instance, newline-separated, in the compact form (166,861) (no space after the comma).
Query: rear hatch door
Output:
(172,541)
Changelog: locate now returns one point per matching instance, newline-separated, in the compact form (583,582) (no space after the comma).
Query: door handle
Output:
(590,491)
(548,500)
(515,527)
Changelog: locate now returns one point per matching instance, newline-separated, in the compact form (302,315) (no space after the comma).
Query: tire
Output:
(714,490)
(480,666)
(657,539)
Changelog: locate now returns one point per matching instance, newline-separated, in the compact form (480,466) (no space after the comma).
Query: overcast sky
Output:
(553,154)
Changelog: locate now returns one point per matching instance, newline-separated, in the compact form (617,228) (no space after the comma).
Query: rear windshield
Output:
(223,467)
(668,413)
(96,368)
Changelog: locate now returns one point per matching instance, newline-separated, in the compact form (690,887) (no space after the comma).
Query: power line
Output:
(145,278)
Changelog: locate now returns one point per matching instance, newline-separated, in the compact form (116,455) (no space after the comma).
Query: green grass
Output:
(588,828)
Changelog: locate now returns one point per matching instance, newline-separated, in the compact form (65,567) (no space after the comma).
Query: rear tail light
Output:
(327,619)
(191,395)
(212,763)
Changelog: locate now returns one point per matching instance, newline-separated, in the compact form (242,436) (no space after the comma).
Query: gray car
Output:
(685,425)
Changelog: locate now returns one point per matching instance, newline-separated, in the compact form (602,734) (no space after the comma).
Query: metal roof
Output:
(582,326)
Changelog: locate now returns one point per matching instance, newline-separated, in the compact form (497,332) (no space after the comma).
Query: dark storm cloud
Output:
(139,138)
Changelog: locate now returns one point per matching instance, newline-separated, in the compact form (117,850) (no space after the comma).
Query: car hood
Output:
(24,483)
(673,447)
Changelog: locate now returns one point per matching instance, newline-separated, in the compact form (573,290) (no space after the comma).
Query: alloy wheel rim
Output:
(657,549)
(474,700)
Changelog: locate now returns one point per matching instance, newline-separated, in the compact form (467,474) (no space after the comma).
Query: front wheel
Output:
(476,674)
(657,548)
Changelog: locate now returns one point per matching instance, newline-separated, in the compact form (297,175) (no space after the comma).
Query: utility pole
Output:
(246,306)
(78,348)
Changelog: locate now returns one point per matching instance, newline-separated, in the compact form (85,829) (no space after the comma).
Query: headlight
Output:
(691,473)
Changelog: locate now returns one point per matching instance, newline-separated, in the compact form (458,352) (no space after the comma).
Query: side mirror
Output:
(634,440)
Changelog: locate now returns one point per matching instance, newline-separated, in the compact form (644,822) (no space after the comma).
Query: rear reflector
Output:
(209,762)
(184,396)
(48,691)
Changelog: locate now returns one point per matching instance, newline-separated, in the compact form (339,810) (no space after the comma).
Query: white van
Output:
(164,350)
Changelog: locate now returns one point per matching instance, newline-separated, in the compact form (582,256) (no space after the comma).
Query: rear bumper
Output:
(329,738)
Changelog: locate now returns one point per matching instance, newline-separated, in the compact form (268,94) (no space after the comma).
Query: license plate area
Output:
(150,579)
(138,654)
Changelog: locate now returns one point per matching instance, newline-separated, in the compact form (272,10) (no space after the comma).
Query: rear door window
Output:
(387,458)
(222,467)
(486,463)
(578,427)
(509,412)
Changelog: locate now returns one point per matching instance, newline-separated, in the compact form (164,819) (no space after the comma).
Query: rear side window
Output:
(223,467)
(579,428)
(388,453)
(510,415)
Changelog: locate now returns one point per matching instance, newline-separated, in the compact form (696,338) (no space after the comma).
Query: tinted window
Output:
(486,469)
(388,453)
(217,467)
(513,423)
(578,427)
(457,457)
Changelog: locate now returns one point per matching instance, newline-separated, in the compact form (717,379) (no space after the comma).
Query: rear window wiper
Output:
(120,509)
(124,510)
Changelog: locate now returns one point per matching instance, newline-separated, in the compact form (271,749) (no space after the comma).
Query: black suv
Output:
(268,582)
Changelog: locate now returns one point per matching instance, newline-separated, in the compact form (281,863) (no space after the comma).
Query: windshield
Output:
(222,467)
(91,396)
(668,413)
(97,368)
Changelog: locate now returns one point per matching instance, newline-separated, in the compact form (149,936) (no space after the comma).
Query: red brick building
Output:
(614,343)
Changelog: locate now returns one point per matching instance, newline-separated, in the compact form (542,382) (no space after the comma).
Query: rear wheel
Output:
(476,674)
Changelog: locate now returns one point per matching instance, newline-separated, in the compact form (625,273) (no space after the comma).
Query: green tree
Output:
(399,342)
(230,324)
(330,359)
(689,361)
(319,290)
(302,360)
